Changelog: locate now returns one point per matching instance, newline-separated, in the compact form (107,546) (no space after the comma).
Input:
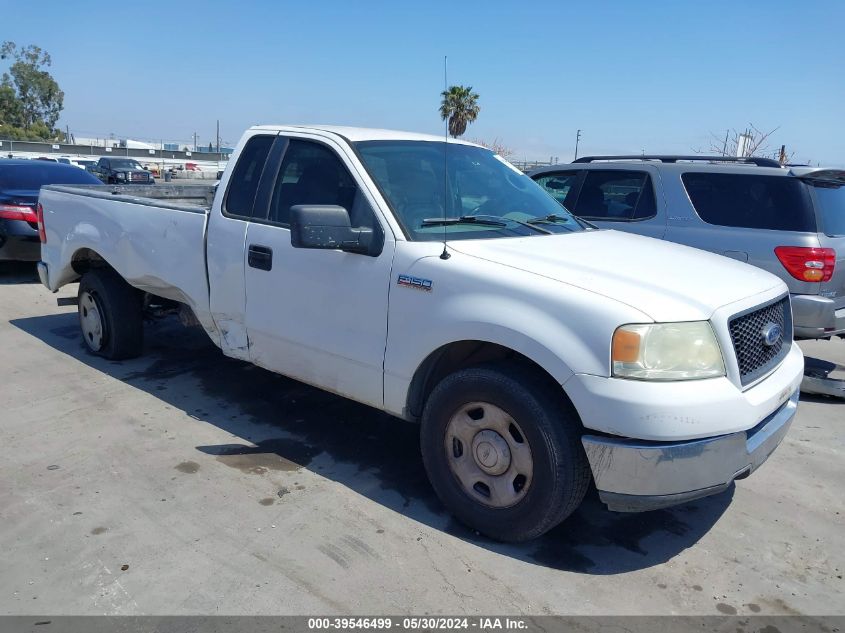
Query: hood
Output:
(666,281)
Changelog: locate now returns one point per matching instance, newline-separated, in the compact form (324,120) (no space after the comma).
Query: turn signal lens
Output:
(626,346)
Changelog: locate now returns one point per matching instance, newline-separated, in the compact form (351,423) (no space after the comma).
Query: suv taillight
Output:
(42,233)
(17,212)
(807,263)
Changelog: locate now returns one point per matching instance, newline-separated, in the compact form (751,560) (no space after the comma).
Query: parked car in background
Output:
(789,221)
(20,181)
(68,160)
(122,171)
(84,163)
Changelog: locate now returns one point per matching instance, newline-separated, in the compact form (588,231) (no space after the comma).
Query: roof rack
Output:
(663,158)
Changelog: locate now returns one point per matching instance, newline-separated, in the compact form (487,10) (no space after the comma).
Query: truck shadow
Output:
(286,425)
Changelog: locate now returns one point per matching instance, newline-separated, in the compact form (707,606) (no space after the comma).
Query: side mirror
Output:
(328,227)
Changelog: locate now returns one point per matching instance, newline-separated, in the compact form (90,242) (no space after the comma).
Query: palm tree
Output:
(460,106)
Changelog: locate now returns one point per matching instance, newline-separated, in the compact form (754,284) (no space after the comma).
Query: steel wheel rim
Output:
(91,321)
(489,455)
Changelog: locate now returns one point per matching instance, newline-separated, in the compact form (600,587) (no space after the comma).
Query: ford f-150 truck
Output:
(432,280)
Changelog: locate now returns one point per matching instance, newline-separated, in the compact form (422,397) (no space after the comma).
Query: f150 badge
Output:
(414,282)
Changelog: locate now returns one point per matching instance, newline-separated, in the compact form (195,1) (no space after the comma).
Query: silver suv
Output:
(787,220)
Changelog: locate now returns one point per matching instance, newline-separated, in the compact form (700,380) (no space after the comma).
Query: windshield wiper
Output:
(494,218)
(483,220)
(464,219)
(555,219)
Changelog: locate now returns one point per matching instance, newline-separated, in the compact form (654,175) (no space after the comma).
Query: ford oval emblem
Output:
(772,333)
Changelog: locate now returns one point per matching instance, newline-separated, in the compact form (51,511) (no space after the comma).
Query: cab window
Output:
(312,173)
(616,196)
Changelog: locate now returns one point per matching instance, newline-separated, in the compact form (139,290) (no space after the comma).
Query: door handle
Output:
(260,257)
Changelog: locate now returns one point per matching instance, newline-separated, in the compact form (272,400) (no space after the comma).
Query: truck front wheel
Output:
(503,455)
(110,315)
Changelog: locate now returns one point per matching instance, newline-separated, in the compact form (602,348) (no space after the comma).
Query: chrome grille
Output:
(754,356)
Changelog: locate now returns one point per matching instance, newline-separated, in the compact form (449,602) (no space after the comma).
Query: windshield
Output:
(31,177)
(830,199)
(125,164)
(482,197)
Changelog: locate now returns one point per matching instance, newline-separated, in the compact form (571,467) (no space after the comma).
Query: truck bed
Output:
(153,236)
(160,195)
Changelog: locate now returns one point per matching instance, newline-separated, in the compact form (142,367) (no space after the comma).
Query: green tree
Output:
(10,108)
(460,106)
(30,99)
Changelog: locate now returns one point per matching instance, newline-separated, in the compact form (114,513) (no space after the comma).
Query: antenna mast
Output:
(445,254)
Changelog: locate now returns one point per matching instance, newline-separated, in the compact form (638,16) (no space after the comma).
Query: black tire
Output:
(119,311)
(561,473)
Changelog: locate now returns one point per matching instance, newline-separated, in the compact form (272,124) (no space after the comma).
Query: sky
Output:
(635,76)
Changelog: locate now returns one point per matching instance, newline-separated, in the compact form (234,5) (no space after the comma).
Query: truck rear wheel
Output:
(501,453)
(110,315)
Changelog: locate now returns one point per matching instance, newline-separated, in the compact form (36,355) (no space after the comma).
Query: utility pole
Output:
(218,136)
(195,141)
(577,139)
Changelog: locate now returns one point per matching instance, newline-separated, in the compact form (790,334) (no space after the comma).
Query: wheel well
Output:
(85,259)
(462,354)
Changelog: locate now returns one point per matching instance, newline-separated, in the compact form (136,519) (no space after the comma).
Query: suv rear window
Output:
(751,201)
(830,198)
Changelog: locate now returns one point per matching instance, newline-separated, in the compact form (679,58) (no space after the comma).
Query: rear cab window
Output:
(751,201)
(243,183)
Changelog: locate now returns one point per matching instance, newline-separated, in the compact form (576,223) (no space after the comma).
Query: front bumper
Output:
(816,317)
(636,475)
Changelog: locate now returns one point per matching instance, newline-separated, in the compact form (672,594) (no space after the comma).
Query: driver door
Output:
(319,316)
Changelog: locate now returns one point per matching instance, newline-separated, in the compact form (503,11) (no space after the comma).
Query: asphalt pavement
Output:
(184,482)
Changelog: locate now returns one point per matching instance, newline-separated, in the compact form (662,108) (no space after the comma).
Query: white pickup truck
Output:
(434,281)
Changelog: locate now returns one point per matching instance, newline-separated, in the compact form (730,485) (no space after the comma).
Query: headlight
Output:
(666,351)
